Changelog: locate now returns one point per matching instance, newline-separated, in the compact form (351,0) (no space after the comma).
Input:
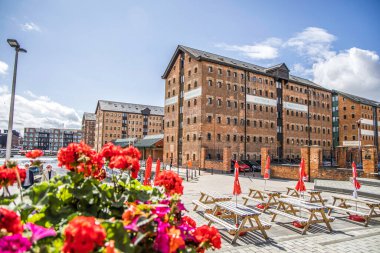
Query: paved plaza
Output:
(347,236)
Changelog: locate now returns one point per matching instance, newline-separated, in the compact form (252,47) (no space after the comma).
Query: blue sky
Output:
(83,51)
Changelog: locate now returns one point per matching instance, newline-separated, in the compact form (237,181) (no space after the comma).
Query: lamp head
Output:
(13,43)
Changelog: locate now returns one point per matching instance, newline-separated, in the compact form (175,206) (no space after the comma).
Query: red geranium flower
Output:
(10,221)
(123,159)
(189,221)
(8,176)
(81,158)
(83,234)
(170,181)
(34,153)
(206,235)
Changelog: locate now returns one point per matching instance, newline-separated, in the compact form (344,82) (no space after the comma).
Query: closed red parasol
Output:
(237,189)
(301,174)
(148,171)
(158,164)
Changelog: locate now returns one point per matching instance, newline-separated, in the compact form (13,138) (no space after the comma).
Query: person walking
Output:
(49,173)
(29,179)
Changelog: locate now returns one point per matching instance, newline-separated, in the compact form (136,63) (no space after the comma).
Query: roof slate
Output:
(358,99)
(130,108)
(89,116)
(206,56)
(149,141)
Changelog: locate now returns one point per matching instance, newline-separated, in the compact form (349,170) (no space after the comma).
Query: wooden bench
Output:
(258,201)
(262,197)
(290,207)
(303,199)
(245,219)
(288,215)
(207,207)
(349,211)
(228,226)
(208,198)
(344,203)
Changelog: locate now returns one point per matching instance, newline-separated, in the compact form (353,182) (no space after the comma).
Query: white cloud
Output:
(313,43)
(36,111)
(3,68)
(264,50)
(301,70)
(355,71)
(30,26)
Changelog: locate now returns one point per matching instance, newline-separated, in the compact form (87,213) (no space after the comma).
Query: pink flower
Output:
(14,244)
(133,225)
(161,243)
(39,232)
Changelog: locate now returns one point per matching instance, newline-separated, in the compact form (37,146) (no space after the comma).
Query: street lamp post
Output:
(16,45)
(308,133)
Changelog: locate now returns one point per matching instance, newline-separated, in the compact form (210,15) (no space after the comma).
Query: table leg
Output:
(278,208)
(326,220)
(308,223)
(237,233)
(200,200)
(330,209)
(260,226)
(369,216)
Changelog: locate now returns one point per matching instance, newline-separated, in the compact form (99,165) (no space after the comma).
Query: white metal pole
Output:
(11,111)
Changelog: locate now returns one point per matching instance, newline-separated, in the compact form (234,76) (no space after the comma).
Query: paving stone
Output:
(346,237)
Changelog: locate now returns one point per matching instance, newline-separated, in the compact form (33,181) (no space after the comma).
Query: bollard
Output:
(199,171)
(187,174)
(178,170)
(212,171)
(192,174)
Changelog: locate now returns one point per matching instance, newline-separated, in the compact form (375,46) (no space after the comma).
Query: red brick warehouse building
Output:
(212,102)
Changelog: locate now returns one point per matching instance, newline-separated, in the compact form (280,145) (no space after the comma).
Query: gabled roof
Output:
(210,57)
(281,65)
(124,142)
(149,141)
(128,107)
(358,99)
(89,116)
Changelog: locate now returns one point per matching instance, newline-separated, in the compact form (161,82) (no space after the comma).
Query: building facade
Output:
(88,128)
(17,139)
(355,119)
(115,120)
(50,138)
(213,101)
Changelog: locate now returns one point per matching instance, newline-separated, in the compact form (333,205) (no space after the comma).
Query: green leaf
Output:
(115,231)
(6,200)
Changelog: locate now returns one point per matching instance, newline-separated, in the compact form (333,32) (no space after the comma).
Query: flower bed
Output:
(80,213)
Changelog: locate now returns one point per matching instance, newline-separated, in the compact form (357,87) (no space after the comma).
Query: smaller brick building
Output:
(118,120)
(88,128)
(351,114)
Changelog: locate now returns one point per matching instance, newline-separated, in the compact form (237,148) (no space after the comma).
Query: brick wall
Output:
(319,172)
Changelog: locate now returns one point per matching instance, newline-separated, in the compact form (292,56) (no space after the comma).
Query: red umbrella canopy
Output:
(157,168)
(237,188)
(267,168)
(148,171)
(301,174)
(354,176)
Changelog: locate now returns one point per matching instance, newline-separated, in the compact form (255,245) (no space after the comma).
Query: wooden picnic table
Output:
(290,207)
(208,199)
(370,209)
(245,219)
(312,196)
(263,197)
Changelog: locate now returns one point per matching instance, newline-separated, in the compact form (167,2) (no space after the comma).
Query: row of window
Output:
(254,139)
